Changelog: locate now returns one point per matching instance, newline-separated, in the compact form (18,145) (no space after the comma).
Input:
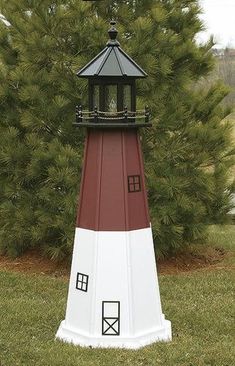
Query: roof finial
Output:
(113,35)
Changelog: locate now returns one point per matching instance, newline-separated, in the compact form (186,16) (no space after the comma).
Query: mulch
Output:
(189,260)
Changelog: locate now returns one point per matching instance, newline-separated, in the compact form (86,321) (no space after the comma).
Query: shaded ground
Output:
(33,262)
(205,257)
(192,259)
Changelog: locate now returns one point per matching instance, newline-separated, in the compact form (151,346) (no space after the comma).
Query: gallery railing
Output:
(125,117)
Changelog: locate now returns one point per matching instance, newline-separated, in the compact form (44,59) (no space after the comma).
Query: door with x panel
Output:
(111,318)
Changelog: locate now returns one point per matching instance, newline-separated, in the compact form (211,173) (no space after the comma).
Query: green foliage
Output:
(188,152)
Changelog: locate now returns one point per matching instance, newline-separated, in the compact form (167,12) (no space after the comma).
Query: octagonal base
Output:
(70,335)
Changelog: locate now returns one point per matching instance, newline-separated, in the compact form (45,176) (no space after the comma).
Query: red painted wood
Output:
(105,203)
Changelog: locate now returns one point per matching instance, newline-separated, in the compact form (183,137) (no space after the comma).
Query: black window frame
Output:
(134,183)
(83,281)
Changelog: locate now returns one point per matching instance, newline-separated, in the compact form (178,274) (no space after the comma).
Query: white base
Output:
(122,291)
(68,335)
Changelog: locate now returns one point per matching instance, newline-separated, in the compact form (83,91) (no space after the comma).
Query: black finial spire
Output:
(113,35)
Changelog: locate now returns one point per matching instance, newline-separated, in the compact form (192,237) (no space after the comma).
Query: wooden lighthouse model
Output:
(113,298)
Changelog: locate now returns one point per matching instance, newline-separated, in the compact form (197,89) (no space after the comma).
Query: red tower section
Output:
(113,195)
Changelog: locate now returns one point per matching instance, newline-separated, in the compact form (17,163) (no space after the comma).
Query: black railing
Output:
(122,117)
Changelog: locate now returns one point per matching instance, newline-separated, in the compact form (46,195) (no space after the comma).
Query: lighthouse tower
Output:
(113,298)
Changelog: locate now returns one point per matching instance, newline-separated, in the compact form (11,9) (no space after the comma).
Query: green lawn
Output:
(200,305)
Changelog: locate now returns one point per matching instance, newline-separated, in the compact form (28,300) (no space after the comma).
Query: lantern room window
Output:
(111,98)
(96,97)
(127,97)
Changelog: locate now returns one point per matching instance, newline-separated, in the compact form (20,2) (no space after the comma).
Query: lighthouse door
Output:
(111,318)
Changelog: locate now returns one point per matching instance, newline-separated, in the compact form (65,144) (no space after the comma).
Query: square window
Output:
(82,282)
(134,183)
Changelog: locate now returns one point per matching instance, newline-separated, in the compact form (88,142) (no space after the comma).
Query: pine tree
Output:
(188,152)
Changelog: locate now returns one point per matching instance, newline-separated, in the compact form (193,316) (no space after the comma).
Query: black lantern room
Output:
(112,95)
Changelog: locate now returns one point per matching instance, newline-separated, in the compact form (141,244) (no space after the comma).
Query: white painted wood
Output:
(121,268)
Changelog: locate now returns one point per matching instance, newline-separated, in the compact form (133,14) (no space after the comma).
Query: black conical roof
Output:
(112,61)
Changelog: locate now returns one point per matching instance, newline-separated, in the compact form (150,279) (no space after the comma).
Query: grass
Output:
(200,305)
